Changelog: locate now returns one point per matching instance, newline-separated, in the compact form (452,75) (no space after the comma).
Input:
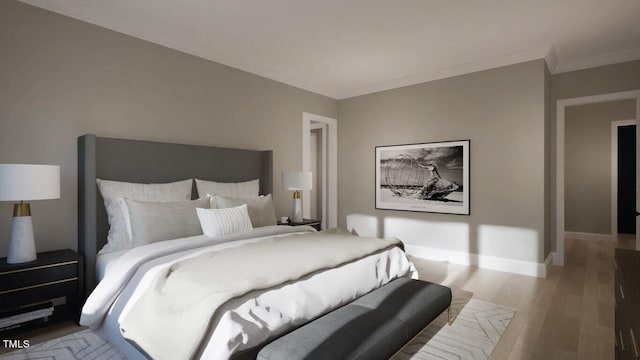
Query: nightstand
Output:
(53,275)
(314,223)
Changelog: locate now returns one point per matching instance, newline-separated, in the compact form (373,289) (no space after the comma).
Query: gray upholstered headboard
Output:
(151,162)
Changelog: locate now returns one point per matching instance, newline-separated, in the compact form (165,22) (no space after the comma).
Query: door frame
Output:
(322,165)
(330,192)
(614,173)
(558,258)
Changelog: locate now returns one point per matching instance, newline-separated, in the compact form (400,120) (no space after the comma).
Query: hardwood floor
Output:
(568,315)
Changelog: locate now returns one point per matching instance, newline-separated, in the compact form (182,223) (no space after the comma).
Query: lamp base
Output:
(296,214)
(22,247)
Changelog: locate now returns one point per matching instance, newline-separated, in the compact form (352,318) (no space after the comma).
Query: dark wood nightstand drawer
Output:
(11,281)
(12,300)
(53,274)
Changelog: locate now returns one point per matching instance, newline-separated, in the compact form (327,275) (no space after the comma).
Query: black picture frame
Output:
(431,177)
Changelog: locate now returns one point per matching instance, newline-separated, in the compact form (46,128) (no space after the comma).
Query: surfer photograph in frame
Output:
(426,177)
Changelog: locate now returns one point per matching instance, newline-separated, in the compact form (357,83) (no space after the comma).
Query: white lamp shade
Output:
(296,180)
(21,182)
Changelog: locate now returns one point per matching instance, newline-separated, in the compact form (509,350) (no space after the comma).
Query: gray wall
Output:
(595,81)
(588,164)
(502,112)
(61,78)
(587,82)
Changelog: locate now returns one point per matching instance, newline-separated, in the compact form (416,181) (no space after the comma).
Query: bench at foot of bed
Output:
(374,326)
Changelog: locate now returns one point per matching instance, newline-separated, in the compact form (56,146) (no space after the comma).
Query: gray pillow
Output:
(113,192)
(261,210)
(236,190)
(157,221)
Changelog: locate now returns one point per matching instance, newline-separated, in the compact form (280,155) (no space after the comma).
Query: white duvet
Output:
(247,320)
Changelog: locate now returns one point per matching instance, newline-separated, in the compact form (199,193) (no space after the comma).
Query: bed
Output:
(282,300)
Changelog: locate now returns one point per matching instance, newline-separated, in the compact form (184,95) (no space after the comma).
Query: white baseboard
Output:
(482,261)
(550,260)
(588,236)
(556,259)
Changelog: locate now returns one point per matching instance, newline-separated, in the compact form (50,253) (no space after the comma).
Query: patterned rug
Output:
(81,345)
(476,328)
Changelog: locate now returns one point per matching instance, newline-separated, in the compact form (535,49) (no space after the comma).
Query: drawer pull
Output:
(634,343)
(621,341)
(622,292)
(38,285)
(39,267)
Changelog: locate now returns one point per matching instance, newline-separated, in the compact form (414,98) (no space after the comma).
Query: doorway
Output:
(559,253)
(323,165)
(318,156)
(623,176)
(626,179)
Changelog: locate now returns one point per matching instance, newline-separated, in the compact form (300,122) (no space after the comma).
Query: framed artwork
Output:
(427,177)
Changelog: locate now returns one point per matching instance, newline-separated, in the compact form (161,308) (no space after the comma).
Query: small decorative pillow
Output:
(218,222)
(239,189)
(261,209)
(157,221)
(113,192)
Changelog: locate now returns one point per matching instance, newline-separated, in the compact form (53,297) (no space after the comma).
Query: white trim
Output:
(367,87)
(614,172)
(317,126)
(551,59)
(547,53)
(560,107)
(325,152)
(548,262)
(559,258)
(313,199)
(637,172)
(325,174)
(323,165)
(482,261)
(597,60)
(589,236)
(331,219)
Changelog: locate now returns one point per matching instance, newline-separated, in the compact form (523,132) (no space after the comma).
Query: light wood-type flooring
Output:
(569,315)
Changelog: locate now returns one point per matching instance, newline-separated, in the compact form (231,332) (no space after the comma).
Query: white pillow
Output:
(119,237)
(157,221)
(261,209)
(239,189)
(218,222)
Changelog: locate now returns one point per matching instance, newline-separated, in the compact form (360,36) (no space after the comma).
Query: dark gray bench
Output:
(374,326)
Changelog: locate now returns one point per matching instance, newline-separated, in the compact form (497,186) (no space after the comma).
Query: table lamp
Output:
(296,181)
(20,182)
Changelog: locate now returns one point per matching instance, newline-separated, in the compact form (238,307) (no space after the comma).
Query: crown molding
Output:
(551,59)
(451,71)
(597,60)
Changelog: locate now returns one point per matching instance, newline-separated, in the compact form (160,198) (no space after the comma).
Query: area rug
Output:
(476,328)
(81,345)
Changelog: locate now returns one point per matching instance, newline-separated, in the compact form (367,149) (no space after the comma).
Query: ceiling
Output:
(345,48)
